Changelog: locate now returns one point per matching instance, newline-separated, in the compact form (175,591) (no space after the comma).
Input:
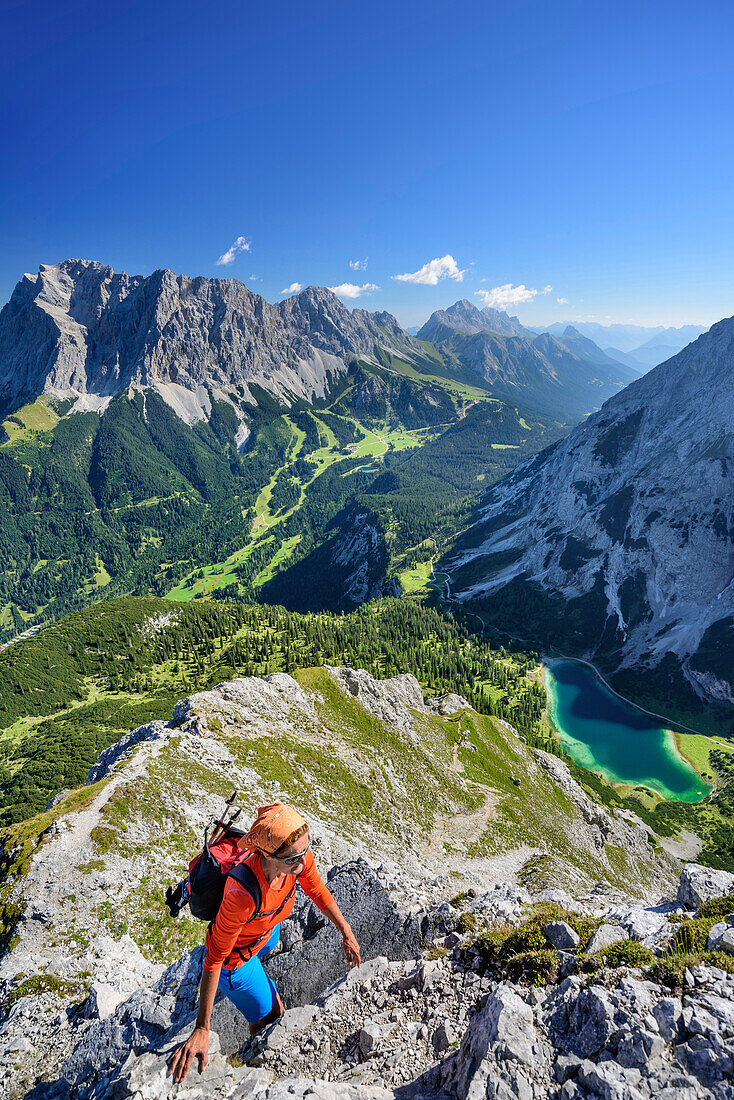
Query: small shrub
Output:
(691,936)
(627,953)
(590,964)
(46,983)
(717,907)
(104,837)
(534,967)
(530,935)
(720,959)
(467,923)
(669,969)
(91,865)
(437,952)
(458,900)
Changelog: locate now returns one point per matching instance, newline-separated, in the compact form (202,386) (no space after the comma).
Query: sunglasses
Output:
(290,861)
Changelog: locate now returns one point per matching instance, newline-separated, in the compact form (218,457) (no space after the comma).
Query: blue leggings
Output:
(248,987)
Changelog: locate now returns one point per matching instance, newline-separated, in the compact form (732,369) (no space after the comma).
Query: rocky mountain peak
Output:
(631,515)
(80,329)
(464,317)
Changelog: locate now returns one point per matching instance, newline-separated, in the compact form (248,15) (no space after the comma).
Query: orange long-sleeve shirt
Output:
(230,931)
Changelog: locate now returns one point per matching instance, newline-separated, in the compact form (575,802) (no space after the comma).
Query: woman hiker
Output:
(278,848)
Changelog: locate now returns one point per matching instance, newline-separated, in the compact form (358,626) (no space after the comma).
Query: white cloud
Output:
(292,289)
(562,301)
(349,290)
(546,289)
(500,297)
(254,278)
(359,265)
(240,245)
(443,267)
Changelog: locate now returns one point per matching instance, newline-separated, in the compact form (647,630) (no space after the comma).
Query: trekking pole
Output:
(221,824)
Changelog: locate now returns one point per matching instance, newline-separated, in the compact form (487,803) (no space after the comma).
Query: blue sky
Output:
(583,147)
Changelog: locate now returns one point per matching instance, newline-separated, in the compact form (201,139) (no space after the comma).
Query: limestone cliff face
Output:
(80,329)
(633,511)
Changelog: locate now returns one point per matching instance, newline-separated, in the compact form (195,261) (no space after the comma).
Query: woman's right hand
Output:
(196,1046)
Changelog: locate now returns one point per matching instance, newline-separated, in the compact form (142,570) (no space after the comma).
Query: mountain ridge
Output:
(79,328)
(631,513)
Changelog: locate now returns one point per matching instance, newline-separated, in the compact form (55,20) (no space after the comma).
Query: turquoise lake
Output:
(604,734)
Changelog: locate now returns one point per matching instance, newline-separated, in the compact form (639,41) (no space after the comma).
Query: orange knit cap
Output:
(273,825)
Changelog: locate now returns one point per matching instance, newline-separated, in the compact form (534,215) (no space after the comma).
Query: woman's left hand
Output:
(351,947)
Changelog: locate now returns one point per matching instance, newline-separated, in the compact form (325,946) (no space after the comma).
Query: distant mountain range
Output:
(618,541)
(80,331)
(566,376)
(637,346)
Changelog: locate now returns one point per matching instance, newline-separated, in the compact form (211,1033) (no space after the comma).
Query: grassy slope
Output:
(363,779)
(82,683)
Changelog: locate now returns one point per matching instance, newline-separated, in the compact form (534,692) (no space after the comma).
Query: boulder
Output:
(102,1001)
(605,936)
(721,938)
(503,1031)
(699,884)
(369,1038)
(561,935)
(448,704)
(443,1037)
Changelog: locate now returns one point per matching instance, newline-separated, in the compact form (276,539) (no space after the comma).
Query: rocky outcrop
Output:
(699,884)
(79,329)
(389,785)
(425,1026)
(629,519)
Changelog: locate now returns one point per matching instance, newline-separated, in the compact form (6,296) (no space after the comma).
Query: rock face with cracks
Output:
(625,525)
(79,329)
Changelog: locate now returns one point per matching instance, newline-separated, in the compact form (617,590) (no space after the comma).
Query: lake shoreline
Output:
(545,658)
(580,741)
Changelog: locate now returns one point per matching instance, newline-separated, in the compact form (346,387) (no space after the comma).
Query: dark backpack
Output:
(203,890)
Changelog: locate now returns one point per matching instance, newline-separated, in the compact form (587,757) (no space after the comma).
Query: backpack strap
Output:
(246,877)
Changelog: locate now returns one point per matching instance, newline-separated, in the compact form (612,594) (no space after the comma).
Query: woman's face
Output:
(291,861)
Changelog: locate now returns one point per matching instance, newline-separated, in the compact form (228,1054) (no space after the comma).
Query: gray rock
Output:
(566,1066)
(605,936)
(57,798)
(369,1038)
(591,1020)
(642,1050)
(610,1081)
(721,938)
(448,704)
(561,935)
(102,1001)
(504,1030)
(122,749)
(443,1037)
(699,884)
